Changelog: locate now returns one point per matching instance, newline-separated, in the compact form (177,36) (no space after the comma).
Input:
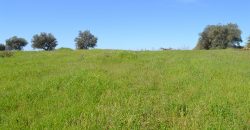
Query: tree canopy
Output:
(220,37)
(15,43)
(85,40)
(2,47)
(45,41)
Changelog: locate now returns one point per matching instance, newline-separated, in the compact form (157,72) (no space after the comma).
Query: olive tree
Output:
(45,41)
(220,37)
(85,40)
(15,43)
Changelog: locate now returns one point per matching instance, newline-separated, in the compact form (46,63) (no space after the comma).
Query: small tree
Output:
(2,47)
(85,40)
(44,41)
(220,37)
(16,43)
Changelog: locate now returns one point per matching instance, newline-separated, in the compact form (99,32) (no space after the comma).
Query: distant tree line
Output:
(213,37)
(48,42)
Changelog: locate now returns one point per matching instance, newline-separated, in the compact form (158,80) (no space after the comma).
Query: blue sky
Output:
(121,24)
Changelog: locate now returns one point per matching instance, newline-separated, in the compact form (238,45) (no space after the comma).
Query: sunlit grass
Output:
(105,89)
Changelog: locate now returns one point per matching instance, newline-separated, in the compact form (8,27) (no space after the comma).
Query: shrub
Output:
(248,42)
(64,49)
(4,54)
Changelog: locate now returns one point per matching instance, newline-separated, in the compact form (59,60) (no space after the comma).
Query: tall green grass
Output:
(105,89)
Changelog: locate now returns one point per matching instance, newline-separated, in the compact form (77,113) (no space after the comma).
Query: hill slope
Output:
(104,89)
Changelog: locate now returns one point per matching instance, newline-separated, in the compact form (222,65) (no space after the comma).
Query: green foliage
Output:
(85,40)
(64,49)
(220,37)
(45,41)
(105,89)
(248,42)
(15,43)
(5,54)
(2,47)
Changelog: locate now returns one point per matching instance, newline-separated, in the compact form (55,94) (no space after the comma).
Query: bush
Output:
(248,42)
(4,54)
(64,49)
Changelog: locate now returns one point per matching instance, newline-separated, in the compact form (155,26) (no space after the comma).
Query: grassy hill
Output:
(105,89)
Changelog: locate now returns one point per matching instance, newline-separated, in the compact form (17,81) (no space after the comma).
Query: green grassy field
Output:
(105,89)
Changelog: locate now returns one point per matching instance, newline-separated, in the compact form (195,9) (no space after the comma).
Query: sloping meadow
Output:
(107,89)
